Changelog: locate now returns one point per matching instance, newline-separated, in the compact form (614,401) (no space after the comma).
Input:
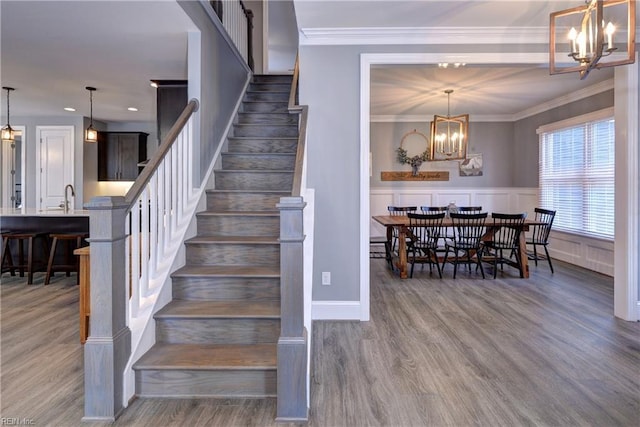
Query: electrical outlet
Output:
(326,277)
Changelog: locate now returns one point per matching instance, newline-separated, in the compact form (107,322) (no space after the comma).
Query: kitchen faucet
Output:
(66,199)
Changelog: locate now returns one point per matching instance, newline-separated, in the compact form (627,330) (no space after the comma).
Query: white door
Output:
(55,162)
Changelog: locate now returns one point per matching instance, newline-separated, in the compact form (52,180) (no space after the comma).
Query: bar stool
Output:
(70,264)
(21,266)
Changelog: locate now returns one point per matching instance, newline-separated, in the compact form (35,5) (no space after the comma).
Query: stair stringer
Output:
(143,331)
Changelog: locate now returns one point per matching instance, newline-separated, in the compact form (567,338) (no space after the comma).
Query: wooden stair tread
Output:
(266,101)
(273,192)
(256,171)
(256,240)
(226,309)
(261,154)
(263,213)
(228,270)
(209,356)
(266,138)
(268,91)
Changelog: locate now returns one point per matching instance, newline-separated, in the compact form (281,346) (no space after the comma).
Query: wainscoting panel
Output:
(413,199)
(461,198)
(594,254)
(499,201)
(379,203)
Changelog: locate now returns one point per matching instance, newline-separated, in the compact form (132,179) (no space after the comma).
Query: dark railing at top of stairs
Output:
(218,8)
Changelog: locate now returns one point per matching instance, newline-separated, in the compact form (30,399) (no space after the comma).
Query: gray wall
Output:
(526,138)
(223,77)
(493,139)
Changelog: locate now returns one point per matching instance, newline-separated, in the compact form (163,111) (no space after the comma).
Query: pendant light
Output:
(449,134)
(91,135)
(588,34)
(8,135)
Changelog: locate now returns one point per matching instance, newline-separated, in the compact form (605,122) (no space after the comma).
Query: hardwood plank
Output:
(544,351)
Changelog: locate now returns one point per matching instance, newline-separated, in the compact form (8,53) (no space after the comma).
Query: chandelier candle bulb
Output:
(610,30)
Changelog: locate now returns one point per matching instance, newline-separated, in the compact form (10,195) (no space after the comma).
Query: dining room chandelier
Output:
(8,134)
(449,134)
(587,34)
(91,135)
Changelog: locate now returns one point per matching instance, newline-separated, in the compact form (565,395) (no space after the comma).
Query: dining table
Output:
(401,223)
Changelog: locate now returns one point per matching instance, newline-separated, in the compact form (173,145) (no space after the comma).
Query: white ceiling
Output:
(427,13)
(51,50)
(418,90)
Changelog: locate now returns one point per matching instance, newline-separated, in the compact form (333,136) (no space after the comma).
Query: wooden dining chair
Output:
(473,209)
(506,237)
(540,235)
(392,234)
(426,229)
(432,209)
(444,235)
(468,229)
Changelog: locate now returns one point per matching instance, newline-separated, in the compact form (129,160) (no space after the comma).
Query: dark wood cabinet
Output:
(119,154)
(171,98)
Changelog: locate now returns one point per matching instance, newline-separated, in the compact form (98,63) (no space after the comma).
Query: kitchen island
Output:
(44,222)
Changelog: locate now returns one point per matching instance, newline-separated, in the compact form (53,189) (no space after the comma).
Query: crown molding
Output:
(428,118)
(566,99)
(423,35)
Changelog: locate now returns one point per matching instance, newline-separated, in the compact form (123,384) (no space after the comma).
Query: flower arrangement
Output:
(416,160)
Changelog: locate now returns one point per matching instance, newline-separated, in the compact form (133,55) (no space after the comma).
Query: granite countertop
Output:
(42,212)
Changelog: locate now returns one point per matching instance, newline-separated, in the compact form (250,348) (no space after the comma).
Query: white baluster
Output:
(134,258)
(143,256)
(162,214)
(153,223)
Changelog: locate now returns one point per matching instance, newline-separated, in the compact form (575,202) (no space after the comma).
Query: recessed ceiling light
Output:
(69,109)
(132,109)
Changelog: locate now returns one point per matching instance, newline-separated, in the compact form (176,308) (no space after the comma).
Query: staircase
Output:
(218,336)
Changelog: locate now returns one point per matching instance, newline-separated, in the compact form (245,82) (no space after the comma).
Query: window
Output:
(577,173)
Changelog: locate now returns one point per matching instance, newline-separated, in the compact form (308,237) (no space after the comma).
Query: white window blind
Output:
(577,174)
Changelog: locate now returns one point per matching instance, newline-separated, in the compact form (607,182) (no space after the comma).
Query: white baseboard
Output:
(638,311)
(335,310)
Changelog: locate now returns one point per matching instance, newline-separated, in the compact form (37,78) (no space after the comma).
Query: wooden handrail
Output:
(303,111)
(149,169)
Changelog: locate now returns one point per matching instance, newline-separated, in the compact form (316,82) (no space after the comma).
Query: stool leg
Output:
(30,262)
(44,240)
(6,253)
(67,257)
(52,254)
(21,257)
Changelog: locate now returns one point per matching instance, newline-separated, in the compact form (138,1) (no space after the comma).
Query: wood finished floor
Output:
(508,352)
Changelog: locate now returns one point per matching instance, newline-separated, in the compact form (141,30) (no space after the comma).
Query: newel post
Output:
(108,346)
(292,344)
